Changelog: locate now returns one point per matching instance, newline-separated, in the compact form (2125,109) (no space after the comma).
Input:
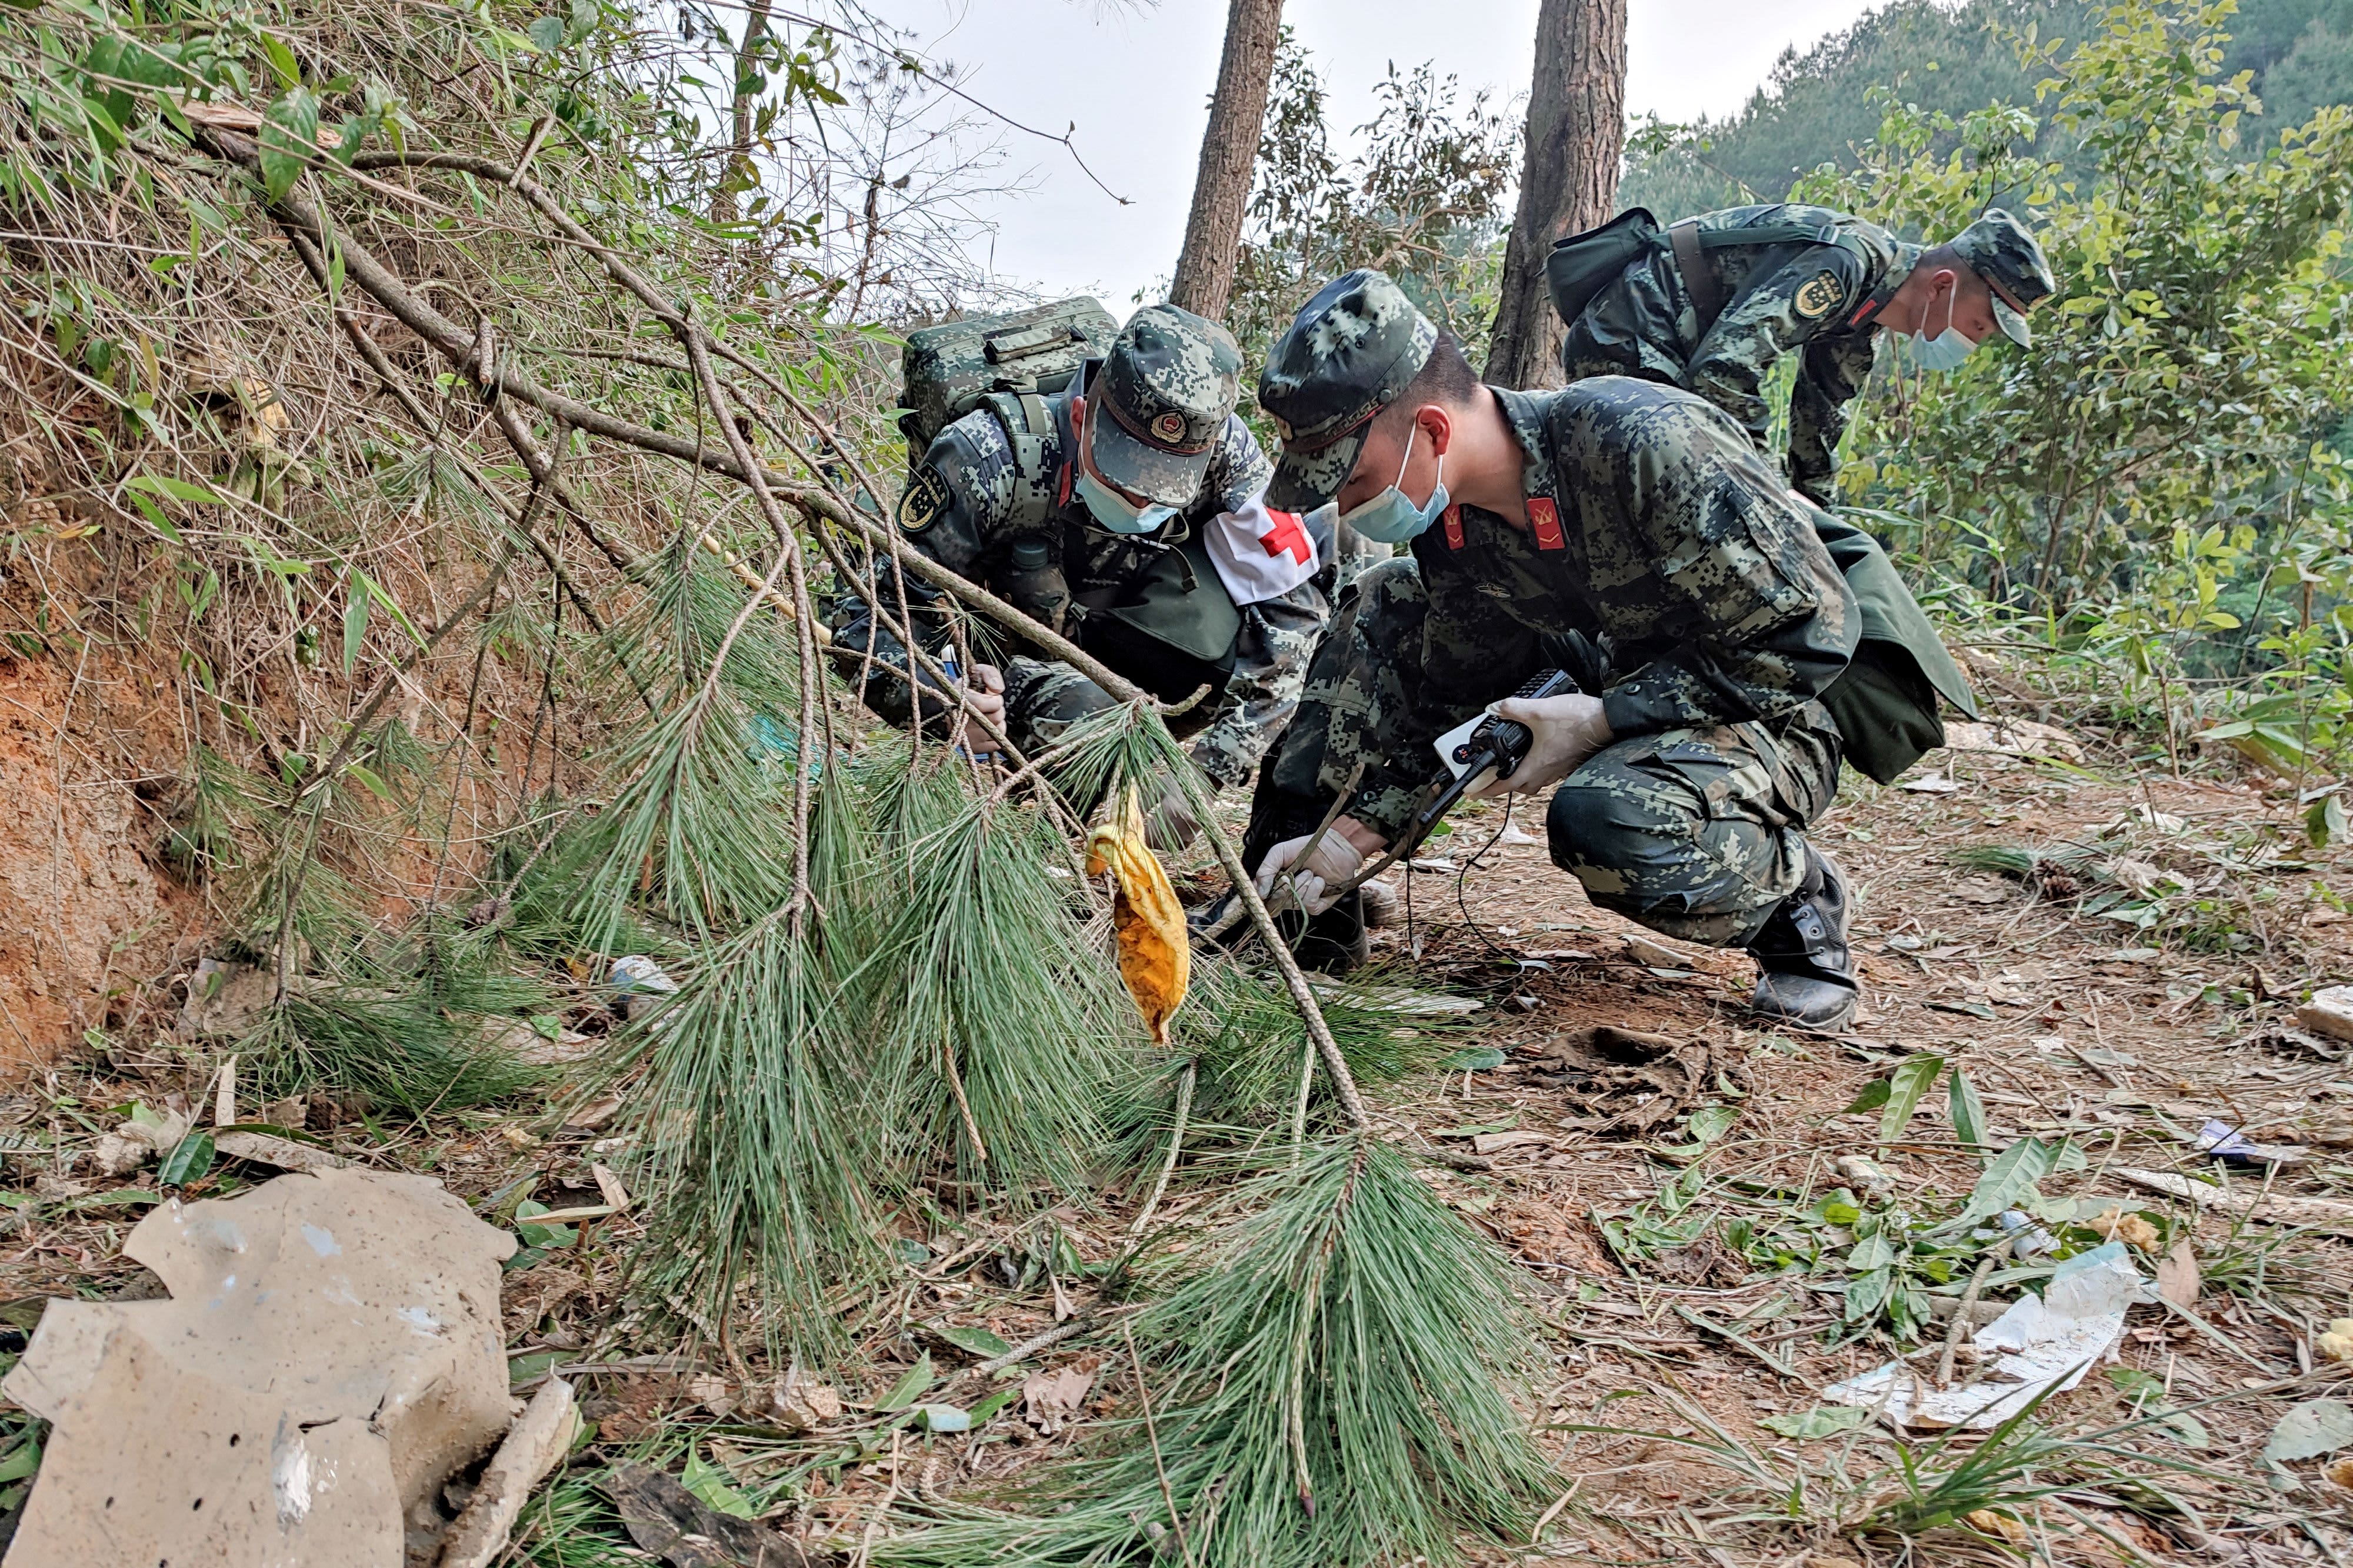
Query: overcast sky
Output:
(1136,80)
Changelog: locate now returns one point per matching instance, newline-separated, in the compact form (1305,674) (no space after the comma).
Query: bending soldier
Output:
(1721,297)
(1628,532)
(1127,513)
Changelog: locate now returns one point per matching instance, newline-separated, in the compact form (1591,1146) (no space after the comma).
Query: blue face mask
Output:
(1115,511)
(1945,350)
(1390,517)
(1110,508)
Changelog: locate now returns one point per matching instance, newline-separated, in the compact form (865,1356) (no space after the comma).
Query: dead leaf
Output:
(711,1392)
(1052,1398)
(1983,891)
(1156,953)
(1493,1143)
(799,1405)
(2178,1275)
(596,1114)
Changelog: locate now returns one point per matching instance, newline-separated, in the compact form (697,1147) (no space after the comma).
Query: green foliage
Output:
(1423,202)
(1326,1392)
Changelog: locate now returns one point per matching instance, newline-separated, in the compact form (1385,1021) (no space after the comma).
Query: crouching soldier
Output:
(1630,534)
(1127,513)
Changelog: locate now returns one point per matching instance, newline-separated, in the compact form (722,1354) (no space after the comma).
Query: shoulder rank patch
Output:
(1544,522)
(926,499)
(1819,295)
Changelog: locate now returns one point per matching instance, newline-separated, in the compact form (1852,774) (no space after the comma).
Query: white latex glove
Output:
(1568,730)
(984,695)
(1329,863)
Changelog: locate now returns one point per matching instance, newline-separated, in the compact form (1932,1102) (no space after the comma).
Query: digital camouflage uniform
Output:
(1661,543)
(971,499)
(1815,299)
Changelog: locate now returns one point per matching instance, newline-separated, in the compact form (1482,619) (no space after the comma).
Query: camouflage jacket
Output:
(1808,299)
(1652,524)
(969,501)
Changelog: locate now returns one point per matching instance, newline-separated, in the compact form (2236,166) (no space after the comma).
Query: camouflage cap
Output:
(1343,358)
(1166,387)
(2005,253)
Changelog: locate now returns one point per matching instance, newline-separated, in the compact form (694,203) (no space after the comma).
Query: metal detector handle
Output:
(1498,744)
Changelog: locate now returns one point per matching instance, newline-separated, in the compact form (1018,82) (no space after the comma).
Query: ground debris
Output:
(328,1357)
(1624,1083)
(665,1519)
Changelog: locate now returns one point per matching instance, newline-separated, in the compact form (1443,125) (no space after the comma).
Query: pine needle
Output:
(1328,1394)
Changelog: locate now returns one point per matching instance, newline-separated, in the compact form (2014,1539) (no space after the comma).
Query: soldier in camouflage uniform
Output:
(1711,312)
(1624,530)
(1139,472)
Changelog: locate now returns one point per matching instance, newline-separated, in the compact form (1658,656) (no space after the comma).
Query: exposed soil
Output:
(2066,1022)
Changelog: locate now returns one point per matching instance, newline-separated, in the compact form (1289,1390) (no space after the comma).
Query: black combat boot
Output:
(1808,976)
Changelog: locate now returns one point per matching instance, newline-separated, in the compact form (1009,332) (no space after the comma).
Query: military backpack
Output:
(1584,264)
(949,369)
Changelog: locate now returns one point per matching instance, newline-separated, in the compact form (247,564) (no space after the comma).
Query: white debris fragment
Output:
(284,1405)
(2042,1343)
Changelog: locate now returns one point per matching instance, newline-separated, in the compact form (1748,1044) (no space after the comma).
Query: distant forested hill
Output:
(1950,56)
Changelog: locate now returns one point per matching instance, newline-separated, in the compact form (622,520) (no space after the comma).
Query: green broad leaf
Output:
(22,1460)
(176,489)
(540,1235)
(2315,1427)
(1968,1109)
(709,1483)
(1474,1058)
(1874,1095)
(910,1383)
(1909,1081)
(282,63)
(157,520)
(2009,1176)
(369,778)
(973,1341)
(523,1368)
(1710,1122)
(289,139)
(1866,1293)
(987,1410)
(355,619)
(546,34)
(187,1161)
(1871,1252)
(2325,822)
(942,1418)
(1821,1421)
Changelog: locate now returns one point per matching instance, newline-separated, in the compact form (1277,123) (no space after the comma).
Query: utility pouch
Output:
(1583,265)
(1173,628)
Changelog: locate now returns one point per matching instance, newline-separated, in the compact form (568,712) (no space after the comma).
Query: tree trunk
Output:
(739,142)
(1213,232)
(1576,136)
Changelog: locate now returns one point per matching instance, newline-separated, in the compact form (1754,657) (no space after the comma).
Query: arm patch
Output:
(925,500)
(1819,295)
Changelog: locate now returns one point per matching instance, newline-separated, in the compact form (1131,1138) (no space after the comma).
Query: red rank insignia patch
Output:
(1453,528)
(1543,521)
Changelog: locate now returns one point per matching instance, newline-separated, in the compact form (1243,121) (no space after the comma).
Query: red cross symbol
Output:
(1286,537)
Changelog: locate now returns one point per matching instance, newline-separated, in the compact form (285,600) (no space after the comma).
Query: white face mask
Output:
(1945,351)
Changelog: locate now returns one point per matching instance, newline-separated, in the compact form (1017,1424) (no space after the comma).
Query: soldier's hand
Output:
(1567,729)
(983,695)
(1317,869)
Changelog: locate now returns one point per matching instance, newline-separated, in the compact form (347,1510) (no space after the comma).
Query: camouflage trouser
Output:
(1697,833)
